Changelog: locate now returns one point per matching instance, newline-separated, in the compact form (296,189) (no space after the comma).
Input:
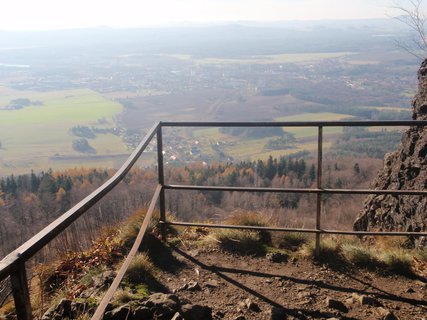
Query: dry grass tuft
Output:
(390,243)
(122,297)
(248,218)
(139,269)
(422,254)
(252,218)
(360,256)
(241,242)
(290,240)
(329,248)
(398,261)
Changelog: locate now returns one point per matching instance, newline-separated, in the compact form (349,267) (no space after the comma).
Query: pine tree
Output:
(356,169)
(270,169)
(312,173)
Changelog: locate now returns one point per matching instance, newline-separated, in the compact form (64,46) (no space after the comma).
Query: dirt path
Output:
(237,287)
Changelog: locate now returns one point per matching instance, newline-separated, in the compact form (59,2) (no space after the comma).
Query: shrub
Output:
(129,231)
(248,218)
(359,256)
(139,269)
(397,261)
(292,241)
(422,254)
(123,296)
(241,242)
(330,252)
(252,218)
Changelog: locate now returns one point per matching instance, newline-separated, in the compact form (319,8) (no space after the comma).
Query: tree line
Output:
(30,202)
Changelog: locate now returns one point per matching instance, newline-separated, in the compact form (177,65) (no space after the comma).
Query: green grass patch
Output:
(255,148)
(123,296)
(267,59)
(33,135)
(304,132)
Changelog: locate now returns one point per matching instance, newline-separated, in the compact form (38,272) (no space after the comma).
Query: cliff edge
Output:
(406,169)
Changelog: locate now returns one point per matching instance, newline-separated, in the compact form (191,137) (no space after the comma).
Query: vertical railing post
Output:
(21,294)
(161,182)
(319,186)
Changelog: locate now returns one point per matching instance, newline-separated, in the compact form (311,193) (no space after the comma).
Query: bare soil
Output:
(297,289)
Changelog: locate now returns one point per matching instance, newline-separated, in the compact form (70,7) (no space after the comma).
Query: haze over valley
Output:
(87,96)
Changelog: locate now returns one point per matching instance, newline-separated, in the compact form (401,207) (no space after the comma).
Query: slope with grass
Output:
(250,274)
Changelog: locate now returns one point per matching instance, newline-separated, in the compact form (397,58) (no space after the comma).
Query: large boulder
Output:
(405,169)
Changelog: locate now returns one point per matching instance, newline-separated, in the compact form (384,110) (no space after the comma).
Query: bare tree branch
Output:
(414,18)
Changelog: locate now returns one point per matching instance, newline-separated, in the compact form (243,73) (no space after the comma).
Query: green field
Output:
(253,149)
(32,135)
(305,132)
(266,59)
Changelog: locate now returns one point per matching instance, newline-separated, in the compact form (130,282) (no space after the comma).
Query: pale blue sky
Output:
(58,14)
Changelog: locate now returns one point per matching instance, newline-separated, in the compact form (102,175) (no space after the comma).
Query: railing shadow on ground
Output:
(375,292)
(14,264)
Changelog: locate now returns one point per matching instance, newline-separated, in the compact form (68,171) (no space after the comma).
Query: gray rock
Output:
(190,286)
(177,316)
(142,313)
(336,304)
(162,306)
(219,314)
(193,286)
(212,284)
(159,299)
(56,312)
(386,314)
(277,313)
(196,312)
(120,313)
(64,309)
(277,257)
(104,279)
(367,300)
(252,305)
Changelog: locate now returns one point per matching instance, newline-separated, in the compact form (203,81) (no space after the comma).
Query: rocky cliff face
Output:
(404,169)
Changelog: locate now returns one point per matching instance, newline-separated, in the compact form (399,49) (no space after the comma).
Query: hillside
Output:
(235,275)
(29,202)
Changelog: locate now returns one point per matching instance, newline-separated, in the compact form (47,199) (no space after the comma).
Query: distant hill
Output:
(222,40)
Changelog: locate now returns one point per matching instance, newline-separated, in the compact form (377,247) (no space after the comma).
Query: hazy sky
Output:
(57,14)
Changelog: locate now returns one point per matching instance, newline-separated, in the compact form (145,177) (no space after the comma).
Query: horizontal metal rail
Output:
(296,190)
(318,191)
(300,230)
(385,123)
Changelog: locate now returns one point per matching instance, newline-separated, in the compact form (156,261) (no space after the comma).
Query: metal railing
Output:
(13,265)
